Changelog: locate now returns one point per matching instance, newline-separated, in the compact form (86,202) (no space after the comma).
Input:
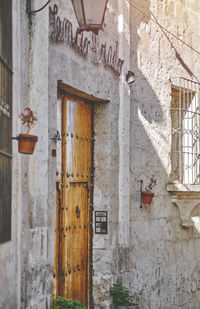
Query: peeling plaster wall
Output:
(36,251)
(26,263)
(147,249)
(10,251)
(111,127)
(162,263)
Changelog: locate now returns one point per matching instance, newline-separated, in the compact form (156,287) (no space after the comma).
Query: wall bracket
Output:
(186,198)
(29,7)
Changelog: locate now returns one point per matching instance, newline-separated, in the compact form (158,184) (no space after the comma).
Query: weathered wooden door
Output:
(73,230)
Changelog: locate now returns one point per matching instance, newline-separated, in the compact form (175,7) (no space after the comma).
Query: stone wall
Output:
(26,265)
(36,256)
(163,257)
(10,251)
(146,248)
(111,127)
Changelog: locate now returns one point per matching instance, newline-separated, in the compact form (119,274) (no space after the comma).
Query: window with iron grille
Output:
(185,116)
(5,118)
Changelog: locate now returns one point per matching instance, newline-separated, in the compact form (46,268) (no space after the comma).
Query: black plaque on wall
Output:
(101,222)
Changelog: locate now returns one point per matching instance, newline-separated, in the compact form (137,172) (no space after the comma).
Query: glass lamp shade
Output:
(130,77)
(90,14)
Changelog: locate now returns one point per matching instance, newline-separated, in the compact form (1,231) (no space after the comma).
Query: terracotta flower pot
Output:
(26,143)
(147,197)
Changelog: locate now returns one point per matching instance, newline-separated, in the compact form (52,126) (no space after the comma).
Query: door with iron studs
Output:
(72,275)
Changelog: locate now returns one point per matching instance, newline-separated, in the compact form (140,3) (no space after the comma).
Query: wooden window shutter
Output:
(5,118)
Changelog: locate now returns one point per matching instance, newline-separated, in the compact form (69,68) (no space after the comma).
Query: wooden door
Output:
(74,197)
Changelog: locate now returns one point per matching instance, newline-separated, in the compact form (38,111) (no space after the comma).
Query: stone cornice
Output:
(186,198)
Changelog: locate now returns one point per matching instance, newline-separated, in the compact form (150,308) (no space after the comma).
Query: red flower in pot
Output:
(26,142)
(147,195)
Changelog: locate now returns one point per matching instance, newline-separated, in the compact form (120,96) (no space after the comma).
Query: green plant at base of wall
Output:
(64,303)
(121,295)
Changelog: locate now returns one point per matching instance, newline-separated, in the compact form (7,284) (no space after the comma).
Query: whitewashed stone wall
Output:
(36,256)
(163,257)
(147,249)
(10,265)
(111,127)
(26,261)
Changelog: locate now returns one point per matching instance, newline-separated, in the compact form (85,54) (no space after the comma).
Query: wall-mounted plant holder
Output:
(26,143)
(145,196)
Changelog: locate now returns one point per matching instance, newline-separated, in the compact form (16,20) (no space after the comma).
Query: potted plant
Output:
(64,303)
(121,297)
(26,142)
(147,195)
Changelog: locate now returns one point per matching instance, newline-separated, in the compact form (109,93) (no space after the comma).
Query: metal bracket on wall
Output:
(56,138)
(29,6)
(141,183)
(29,10)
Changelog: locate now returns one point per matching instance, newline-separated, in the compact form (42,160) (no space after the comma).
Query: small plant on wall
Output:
(147,195)
(151,185)
(64,303)
(28,119)
(121,295)
(26,142)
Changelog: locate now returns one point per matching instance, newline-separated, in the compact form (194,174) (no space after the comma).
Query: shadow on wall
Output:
(147,117)
(153,259)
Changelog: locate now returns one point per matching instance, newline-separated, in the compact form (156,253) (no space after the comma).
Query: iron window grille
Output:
(5,118)
(185,117)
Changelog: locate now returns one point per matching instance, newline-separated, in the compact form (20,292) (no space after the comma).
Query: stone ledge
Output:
(135,306)
(177,186)
(186,198)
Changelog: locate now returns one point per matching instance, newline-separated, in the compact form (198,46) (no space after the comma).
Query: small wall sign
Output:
(101,222)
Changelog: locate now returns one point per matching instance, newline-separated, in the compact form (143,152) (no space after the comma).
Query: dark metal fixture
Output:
(141,183)
(78,211)
(29,7)
(90,14)
(56,137)
(130,77)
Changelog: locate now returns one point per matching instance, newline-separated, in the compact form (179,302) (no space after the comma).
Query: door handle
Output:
(77,212)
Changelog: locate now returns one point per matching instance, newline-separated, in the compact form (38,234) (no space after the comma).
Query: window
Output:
(185,116)
(5,118)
